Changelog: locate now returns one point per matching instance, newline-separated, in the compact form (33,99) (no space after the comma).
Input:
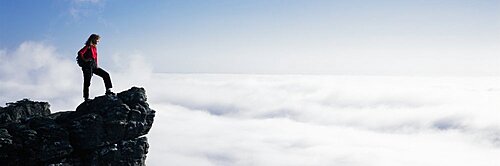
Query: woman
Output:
(89,66)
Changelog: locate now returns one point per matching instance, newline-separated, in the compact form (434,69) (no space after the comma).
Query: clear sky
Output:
(387,37)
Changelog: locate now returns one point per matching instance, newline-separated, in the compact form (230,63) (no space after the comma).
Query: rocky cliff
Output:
(107,130)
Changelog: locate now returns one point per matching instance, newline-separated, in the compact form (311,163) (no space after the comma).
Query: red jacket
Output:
(94,53)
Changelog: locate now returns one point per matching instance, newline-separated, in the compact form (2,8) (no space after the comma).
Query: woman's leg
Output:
(87,75)
(105,76)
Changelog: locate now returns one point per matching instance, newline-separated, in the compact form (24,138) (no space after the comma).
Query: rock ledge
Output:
(107,130)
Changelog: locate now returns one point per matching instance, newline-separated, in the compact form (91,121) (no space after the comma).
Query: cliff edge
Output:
(107,130)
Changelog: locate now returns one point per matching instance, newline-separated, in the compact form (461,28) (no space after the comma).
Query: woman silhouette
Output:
(90,66)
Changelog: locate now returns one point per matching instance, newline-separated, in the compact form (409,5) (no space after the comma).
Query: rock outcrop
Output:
(107,130)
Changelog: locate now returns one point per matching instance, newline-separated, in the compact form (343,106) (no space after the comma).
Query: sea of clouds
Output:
(211,119)
(225,119)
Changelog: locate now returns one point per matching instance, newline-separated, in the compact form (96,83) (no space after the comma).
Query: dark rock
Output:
(6,145)
(25,108)
(130,152)
(104,131)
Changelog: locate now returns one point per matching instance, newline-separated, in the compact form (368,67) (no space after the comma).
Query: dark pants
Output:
(87,75)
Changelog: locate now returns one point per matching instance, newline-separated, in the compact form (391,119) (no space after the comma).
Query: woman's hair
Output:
(92,39)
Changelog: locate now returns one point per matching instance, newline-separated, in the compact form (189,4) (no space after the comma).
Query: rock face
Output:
(104,131)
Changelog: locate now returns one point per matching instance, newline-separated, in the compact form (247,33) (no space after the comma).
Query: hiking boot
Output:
(108,92)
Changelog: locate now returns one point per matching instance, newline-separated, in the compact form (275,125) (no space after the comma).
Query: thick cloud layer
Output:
(324,120)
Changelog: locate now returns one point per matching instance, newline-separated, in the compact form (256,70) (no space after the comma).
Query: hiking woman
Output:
(87,59)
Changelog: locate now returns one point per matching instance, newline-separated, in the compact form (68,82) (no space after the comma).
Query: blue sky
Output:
(389,37)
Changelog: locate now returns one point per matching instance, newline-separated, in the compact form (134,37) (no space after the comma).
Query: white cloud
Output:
(84,8)
(206,119)
(34,70)
(130,70)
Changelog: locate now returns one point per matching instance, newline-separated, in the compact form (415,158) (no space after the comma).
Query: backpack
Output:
(80,61)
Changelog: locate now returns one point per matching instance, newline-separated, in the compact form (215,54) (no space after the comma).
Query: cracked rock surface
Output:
(108,130)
